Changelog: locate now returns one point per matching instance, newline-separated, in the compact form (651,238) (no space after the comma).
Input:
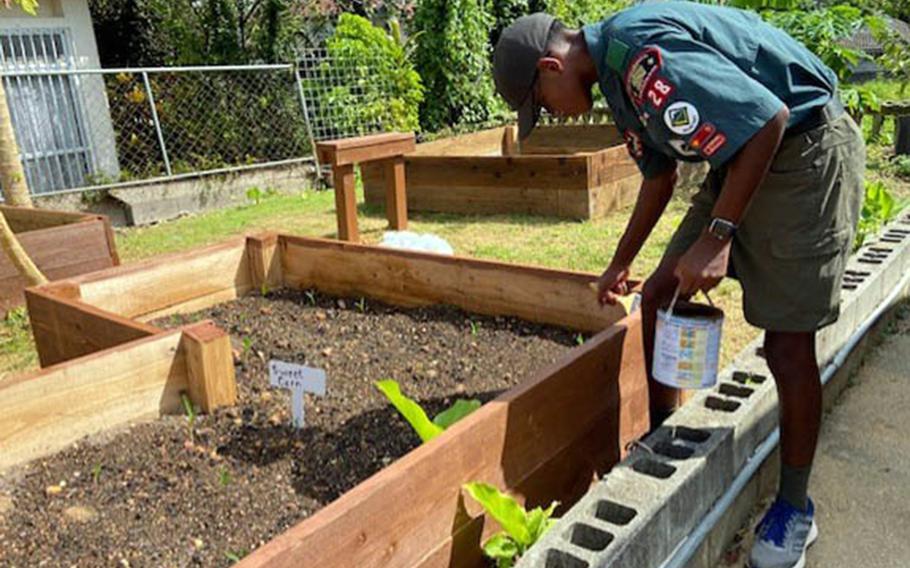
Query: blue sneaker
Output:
(782,536)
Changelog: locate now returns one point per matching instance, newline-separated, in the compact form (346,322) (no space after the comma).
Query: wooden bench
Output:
(345,153)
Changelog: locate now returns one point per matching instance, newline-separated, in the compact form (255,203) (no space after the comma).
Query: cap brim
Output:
(528,115)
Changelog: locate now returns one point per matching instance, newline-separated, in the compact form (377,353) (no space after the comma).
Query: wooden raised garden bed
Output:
(574,172)
(61,244)
(544,439)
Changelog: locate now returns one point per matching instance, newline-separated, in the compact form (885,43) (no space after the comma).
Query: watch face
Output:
(721,228)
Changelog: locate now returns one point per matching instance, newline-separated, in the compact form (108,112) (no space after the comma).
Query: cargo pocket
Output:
(806,246)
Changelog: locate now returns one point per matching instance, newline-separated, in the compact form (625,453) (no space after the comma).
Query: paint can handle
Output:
(676,297)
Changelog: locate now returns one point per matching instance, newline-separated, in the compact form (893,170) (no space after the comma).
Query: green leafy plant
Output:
(255,195)
(521,528)
(361,305)
(264,289)
(416,416)
(311,297)
(247,344)
(235,556)
(879,207)
(475,327)
(580,339)
(224,476)
(96,473)
(190,411)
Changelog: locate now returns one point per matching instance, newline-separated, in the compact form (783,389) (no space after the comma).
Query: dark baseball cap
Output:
(515,58)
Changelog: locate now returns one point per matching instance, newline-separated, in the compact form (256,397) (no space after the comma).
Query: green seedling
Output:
(190,411)
(224,476)
(361,305)
(474,327)
(311,297)
(521,528)
(264,289)
(580,339)
(96,473)
(416,416)
(879,207)
(255,195)
(235,556)
(247,344)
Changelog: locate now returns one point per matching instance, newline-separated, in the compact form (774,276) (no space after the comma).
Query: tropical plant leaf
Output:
(411,411)
(504,509)
(538,520)
(456,412)
(502,549)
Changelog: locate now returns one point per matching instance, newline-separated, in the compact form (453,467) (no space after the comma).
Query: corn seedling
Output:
(190,411)
(235,556)
(474,327)
(417,417)
(521,528)
(247,344)
(96,473)
(224,476)
(311,297)
(264,289)
(580,339)
(361,305)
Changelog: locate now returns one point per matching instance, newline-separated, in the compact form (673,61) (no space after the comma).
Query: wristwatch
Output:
(721,229)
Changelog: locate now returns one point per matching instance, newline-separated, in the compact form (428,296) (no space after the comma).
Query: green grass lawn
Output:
(541,241)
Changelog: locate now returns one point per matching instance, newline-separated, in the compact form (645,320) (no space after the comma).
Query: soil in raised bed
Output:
(168,494)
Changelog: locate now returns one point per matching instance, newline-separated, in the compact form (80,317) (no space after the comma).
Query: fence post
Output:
(306,119)
(148,92)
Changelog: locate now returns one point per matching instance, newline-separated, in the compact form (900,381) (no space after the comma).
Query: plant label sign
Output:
(298,379)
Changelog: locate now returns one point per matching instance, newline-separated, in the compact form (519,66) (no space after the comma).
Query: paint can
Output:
(687,344)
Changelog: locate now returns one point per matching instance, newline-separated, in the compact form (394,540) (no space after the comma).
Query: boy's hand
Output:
(612,283)
(703,266)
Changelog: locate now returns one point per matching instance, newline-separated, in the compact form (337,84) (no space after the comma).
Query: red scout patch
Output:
(640,72)
(633,143)
(701,135)
(658,91)
(714,145)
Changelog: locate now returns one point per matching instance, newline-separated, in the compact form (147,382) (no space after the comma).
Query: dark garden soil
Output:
(166,494)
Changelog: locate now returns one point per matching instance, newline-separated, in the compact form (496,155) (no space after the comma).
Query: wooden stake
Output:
(210,366)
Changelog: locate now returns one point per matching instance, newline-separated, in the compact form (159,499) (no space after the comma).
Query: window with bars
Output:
(47,111)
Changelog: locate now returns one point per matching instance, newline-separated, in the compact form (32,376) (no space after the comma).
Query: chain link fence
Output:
(93,129)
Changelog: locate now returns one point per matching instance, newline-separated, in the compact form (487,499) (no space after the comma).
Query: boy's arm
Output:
(705,263)
(652,200)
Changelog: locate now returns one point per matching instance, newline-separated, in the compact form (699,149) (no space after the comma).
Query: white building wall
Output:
(74,16)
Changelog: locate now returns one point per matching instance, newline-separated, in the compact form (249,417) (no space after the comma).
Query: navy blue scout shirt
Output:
(695,82)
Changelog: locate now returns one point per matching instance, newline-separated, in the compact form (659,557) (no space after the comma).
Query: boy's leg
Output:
(791,358)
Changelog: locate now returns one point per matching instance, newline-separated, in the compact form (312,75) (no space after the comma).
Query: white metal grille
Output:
(47,111)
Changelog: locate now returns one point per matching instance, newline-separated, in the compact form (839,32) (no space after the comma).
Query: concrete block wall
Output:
(638,514)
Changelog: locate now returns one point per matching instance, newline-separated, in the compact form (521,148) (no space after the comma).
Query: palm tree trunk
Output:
(15,192)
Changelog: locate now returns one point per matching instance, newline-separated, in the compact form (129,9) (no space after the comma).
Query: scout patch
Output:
(681,118)
(616,54)
(640,72)
(714,145)
(702,135)
(633,143)
(683,149)
(658,91)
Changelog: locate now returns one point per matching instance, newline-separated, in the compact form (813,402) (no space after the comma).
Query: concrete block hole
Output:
(729,389)
(673,451)
(562,559)
(744,378)
(693,435)
(614,513)
(653,468)
(723,405)
(589,537)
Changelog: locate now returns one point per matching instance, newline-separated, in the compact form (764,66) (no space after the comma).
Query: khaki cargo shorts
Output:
(791,248)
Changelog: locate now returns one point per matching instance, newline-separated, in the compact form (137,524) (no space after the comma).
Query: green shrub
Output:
(385,89)
(453,60)
(879,207)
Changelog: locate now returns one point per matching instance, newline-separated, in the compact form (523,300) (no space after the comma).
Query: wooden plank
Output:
(44,412)
(23,219)
(264,262)
(571,139)
(509,141)
(346,203)
(409,513)
(395,194)
(481,143)
(412,278)
(611,165)
(562,172)
(65,328)
(613,196)
(59,252)
(349,151)
(210,366)
(167,283)
(111,240)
